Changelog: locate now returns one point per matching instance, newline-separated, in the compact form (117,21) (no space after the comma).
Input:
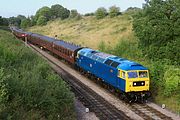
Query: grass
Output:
(29,89)
(89,31)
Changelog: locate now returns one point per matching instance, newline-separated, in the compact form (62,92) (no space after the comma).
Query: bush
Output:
(172,81)
(42,20)
(29,89)
(73,13)
(114,11)
(158,36)
(25,23)
(101,13)
(89,14)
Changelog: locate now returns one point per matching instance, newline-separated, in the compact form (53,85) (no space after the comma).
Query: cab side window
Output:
(122,74)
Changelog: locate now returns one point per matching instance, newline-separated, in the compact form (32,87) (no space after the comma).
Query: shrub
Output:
(29,89)
(101,13)
(73,13)
(114,11)
(42,20)
(89,14)
(172,81)
(25,23)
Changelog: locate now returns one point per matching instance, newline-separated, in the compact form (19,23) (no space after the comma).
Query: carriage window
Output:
(108,62)
(143,74)
(132,74)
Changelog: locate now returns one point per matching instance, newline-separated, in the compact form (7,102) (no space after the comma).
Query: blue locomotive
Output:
(129,78)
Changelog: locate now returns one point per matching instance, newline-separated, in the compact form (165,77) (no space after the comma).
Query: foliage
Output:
(101,13)
(56,10)
(14,21)
(25,23)
(59,11)
(21,17)
(42,20)
(172,81)
(114,11)
(29,89)
(45,12)
(33,20)
(155,26)
(89,14)
(4,96)
(73,13)
(3,21)
(132,10)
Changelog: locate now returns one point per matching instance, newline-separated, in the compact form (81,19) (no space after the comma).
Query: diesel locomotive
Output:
(130,79)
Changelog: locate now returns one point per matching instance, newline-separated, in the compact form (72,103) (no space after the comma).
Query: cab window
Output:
(132,74)
(143,74)
(123,75)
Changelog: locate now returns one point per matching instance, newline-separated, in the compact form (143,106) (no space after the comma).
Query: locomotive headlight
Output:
(134,84)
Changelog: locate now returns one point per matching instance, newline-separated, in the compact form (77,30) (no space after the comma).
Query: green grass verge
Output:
(29,89)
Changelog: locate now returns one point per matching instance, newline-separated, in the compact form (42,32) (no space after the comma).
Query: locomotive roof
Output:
(67,45)
(111,60)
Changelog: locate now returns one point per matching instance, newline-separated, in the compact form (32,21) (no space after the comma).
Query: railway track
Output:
(148,113)
(102,108)
(97,104)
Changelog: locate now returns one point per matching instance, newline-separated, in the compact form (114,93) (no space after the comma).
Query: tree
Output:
(114,11)
(3,21)
(59,11)
(89,14)
(42,20)
(25,23)
(21,17)
(156,28)
(33,21)
(64,13)
(56,10)
(73,13)
(101,13)
(44,11)
(15,21)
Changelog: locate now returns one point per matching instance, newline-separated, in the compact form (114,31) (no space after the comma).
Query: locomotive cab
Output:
(136,80)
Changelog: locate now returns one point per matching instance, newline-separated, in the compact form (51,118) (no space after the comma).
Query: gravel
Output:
(81,112)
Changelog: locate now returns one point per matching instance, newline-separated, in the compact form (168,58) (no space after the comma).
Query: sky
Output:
(10,8)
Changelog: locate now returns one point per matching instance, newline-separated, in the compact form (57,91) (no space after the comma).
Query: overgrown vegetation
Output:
(101,13)
(29,89)
(157,48)
(156,28)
